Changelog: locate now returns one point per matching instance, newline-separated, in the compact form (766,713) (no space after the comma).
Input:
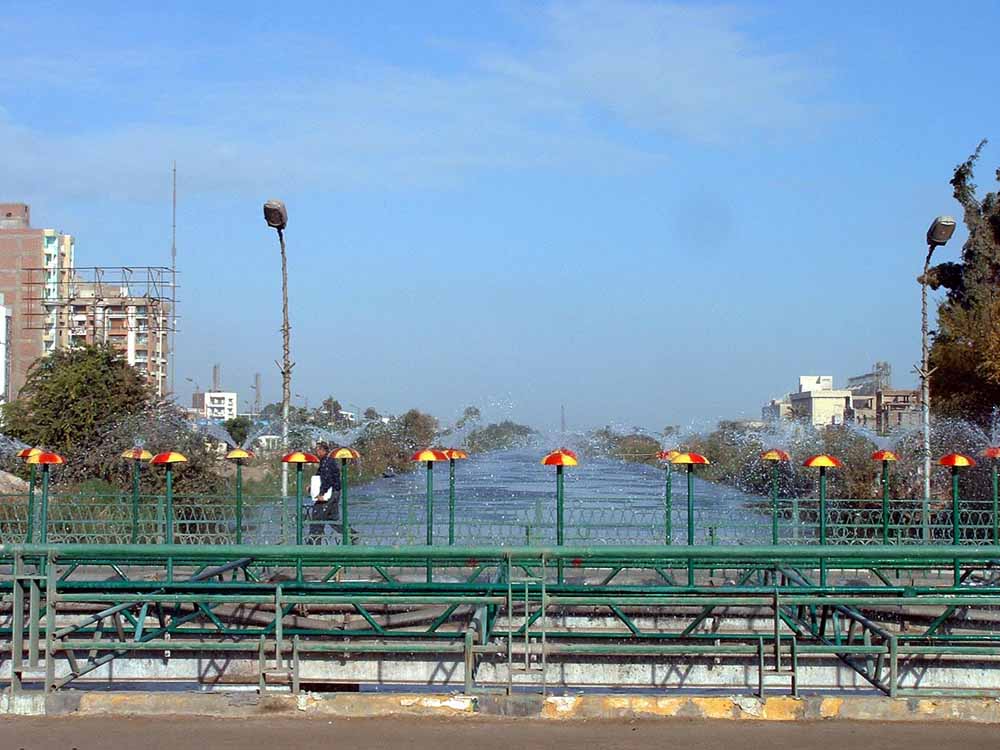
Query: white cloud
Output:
(607,86)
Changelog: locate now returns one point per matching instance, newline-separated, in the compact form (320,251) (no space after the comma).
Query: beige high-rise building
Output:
(46,256)
(55,304)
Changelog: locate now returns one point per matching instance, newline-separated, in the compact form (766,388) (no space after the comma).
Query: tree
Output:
(238,428)
(71,394)
(965,356)
(371,415)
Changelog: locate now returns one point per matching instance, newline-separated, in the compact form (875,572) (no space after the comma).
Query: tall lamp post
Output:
(941,230)
(276,217)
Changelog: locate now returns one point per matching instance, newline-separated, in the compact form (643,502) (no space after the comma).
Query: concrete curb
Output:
(558,708)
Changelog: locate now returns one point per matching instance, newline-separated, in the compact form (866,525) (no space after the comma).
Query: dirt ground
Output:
(283,733)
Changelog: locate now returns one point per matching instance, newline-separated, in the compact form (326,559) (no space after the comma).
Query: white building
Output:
(816,402)
(215,405)
(5,351)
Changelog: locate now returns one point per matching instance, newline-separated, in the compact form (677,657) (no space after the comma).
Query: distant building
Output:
(815,383)
(218,406)
(816,401)
(776,409)
(880,378)
(54,304)
(864,410)
(821,408)
(897,409)
(135,326)
(47,256)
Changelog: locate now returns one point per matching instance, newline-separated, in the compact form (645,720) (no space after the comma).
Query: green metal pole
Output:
(690,520)
(774,502)
(430,515)
(298,504)
(822,505)
(956,527)
(668,503)
(31,504)
(239,501)
(136,468)
(451,502)
(822,522)
(45,503)
(170,505)
(345,537)
(560,505)
(885,502)
(996,503)
(690,514)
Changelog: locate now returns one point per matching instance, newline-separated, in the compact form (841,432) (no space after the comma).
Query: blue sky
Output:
(652,212)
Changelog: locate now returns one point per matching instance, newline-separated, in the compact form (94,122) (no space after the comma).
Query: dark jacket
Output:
(329,476)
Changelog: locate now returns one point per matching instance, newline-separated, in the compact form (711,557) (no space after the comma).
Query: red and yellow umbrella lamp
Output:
(137,455)
(238,456)
(24,454)
(45,459)
(956,461)
(886,457)
(167,460)
(299,459)
(823,461)
(344,455)
(775,456)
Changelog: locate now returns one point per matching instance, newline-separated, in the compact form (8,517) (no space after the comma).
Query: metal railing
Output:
(215,519)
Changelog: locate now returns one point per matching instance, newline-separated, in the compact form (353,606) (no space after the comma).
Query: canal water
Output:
(508,497)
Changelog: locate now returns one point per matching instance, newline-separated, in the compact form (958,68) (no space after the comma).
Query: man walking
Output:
(326,508)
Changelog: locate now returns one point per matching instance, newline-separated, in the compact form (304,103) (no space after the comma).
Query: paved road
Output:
(67,733)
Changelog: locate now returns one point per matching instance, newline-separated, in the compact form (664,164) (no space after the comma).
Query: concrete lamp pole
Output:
(941,230)
(276,216)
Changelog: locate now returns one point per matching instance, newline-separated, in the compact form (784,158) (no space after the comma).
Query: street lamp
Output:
(941,230)
(276,216)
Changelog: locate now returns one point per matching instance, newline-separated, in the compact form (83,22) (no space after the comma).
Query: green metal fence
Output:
(213,520)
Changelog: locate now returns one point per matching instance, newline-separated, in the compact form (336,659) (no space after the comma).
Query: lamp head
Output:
(275,214)
(941,230)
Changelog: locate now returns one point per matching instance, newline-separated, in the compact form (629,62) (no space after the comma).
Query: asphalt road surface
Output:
(282,733)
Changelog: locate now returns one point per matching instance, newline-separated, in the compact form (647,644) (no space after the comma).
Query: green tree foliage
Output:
(71,394)
(634,447)
(500,436)
(384,446)
(471,414)
(88,404)
(238,428)
(966,349)
(371,414)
